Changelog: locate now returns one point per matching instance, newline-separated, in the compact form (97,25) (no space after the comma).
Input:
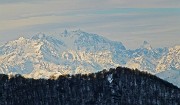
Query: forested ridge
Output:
(120,86)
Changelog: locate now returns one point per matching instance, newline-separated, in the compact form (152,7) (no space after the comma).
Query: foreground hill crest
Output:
(120,86)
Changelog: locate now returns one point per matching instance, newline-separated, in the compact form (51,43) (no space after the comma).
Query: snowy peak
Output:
(48,40)
(71,34)
(81,40)
(39,36)
(146,45)
(65,32)
(20,40)
(43,37)
(171,61)
(12,46)
(175,49)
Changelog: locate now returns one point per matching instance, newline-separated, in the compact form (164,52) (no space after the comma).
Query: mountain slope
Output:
(172,76)
(120,86)
(171,61)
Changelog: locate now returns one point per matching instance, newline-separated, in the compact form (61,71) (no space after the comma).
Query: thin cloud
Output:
(115,19)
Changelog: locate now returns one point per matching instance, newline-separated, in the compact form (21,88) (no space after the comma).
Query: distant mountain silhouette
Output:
(120,86)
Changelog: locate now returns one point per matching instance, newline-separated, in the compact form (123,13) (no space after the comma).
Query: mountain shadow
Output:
(120,86)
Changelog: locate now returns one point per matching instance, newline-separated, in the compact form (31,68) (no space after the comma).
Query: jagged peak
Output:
(43,36)
(177,46)
(67,33)
(22,38)
(19,40)
(146,45)
(39,36)
(80,34)
(78,31)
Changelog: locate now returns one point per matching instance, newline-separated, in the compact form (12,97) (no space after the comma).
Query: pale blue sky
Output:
(128,21)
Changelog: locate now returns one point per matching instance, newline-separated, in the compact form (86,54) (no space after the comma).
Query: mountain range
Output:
(72,52)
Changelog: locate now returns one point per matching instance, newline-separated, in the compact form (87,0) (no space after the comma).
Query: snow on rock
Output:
(173,76)
(110,78)
(171,61)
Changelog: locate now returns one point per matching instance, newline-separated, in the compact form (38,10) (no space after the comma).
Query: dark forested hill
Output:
(120,86)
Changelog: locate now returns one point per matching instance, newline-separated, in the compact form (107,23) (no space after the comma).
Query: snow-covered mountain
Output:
(80,52)
(146,58)
(171,61)
(172,76)
(69,53)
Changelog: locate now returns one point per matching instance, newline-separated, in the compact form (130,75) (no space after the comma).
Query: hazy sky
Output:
(128,21)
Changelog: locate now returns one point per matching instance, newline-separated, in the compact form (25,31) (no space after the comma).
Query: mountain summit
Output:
(146,45)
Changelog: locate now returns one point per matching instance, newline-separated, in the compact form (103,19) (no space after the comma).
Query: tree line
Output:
(120,86)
